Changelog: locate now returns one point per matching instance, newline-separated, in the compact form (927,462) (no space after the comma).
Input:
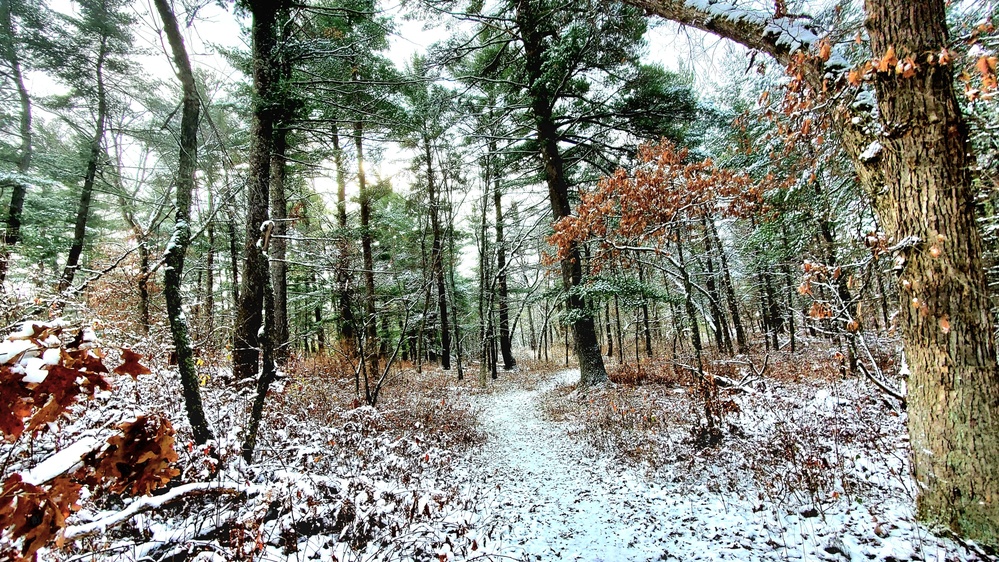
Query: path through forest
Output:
(555,500)
(546,496)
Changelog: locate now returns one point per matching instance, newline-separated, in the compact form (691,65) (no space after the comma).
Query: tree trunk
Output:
(741,342)
(348,324)
(620,331)
(143,285)
(233,259)
(610,335)
(437,256)
(506,345)
(772,316)
(209,296)
(317,312)
(279,244)
(456,322)
(842,290)
(688,299)
(249,314)
(267,375)
(945,319)
(176,250)
(647,331)
(485,302)
(19,188)
(591,363)
(370,325)
(83,208)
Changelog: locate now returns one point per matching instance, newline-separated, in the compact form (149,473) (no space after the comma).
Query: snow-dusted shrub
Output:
(44,375)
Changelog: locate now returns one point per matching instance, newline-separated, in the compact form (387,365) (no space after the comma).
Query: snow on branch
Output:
(779,37)
(149,504)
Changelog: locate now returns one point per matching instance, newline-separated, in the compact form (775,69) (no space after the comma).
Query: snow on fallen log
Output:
(143,505)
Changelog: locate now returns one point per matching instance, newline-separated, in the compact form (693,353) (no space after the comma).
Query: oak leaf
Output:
(130,365)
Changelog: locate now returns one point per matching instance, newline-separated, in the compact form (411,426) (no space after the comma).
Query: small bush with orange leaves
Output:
(43,375)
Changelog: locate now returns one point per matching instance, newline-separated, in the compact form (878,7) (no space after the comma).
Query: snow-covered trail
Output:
(545,496)
(553,500)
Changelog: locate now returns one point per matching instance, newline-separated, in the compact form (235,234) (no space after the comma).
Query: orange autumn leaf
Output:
(888,61)
(130,365)
(825,49)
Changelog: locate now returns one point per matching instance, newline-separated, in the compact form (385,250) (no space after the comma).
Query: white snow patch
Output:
(10,349)
(872,151)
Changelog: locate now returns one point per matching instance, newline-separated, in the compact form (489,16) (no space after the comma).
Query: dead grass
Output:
(321,387)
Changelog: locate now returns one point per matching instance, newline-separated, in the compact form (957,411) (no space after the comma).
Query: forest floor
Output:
(562,485)
(797,463)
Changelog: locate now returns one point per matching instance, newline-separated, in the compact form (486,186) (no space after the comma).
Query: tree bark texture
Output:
(176,250)
(279,244)
(249,314)
(944,316)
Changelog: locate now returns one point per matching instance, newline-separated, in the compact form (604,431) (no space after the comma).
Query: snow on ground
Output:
(551,497)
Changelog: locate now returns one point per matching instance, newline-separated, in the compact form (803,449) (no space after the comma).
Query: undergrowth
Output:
(332,479)
(799,435)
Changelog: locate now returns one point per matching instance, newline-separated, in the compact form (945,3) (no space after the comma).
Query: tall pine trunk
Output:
(279,244)
(344,281)
(93,162)
(249,315)
(367,258)
(542,103)
(506,345)
(18,188)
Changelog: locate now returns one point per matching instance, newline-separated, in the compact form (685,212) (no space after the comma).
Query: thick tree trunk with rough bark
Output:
(947,330)
(176,250)
(506,344)
(591,363)
(249,314)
